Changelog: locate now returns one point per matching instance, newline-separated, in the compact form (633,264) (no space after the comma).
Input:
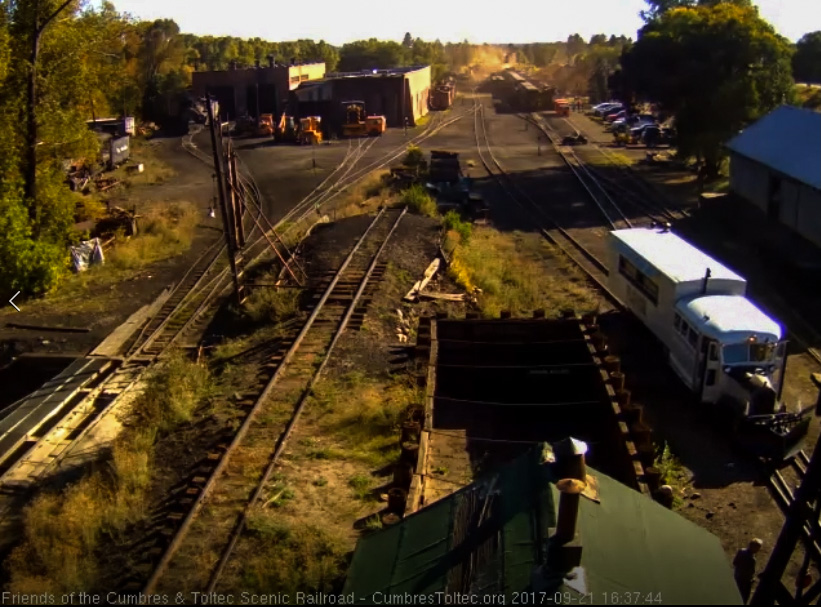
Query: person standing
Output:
(744,568)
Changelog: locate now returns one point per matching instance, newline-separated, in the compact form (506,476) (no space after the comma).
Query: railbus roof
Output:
(659,251)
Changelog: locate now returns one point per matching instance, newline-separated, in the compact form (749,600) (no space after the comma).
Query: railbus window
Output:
(692,337)
(711,377)
(676,321)
(684,328)
(713,351)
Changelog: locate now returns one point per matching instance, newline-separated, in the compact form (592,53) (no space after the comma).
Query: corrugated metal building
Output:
(512,534)
(256,90)
(776,165)
(394,93)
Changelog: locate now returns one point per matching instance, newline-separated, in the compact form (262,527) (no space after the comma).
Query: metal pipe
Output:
(570,489)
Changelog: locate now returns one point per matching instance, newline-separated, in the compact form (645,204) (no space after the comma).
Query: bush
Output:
(419,201)
(272,304)
(414,157)
(454,222)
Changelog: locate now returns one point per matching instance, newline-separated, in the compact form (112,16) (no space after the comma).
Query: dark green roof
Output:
(490,536)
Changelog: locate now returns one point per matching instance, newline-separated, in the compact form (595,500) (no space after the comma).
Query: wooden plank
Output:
(421,284)
(443,296)
(115,340)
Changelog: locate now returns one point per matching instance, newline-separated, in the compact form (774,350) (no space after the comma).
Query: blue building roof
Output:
(787,140)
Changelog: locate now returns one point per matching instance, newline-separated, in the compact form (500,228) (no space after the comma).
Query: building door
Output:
(774,198)
(252,95)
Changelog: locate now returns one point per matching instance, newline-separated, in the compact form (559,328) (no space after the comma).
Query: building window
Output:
(294,79)
(303,77)
(643,283)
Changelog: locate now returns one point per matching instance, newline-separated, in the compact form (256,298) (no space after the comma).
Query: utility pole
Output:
(223,200)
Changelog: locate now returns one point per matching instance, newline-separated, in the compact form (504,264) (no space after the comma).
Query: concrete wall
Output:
(800,204)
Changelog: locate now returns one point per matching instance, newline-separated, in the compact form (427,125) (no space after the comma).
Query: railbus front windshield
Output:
(748,352)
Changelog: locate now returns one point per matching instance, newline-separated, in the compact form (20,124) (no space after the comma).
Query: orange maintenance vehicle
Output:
(356,122)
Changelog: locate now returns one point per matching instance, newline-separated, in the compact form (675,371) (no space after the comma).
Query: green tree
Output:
(598,39)
(806,63)
(407,41)
(715,68)
(575,45)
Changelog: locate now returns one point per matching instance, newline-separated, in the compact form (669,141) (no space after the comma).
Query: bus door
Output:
(780,362)
(709,370)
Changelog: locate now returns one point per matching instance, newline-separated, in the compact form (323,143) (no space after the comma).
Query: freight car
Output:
(442,96)
(725,349)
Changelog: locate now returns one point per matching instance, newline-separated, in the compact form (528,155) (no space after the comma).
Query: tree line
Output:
(63,62)
(715,66)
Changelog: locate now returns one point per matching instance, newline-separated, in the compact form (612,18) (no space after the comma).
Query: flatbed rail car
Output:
(725,349)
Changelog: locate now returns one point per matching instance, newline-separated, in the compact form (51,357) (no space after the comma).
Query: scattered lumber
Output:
(421,284)
(443,296)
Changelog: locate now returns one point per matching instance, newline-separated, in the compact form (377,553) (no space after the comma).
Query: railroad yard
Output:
(283,430)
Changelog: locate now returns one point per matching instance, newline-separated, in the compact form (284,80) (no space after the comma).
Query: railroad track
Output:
(608,193)
(629,183)
(548,226)
(180,319)
(224,483)
(783,483)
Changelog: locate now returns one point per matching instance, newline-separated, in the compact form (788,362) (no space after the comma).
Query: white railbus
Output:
(721,345)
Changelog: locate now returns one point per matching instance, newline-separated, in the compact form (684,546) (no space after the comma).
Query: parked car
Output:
(630,121)
(616,115)
(610,107)
(635,134)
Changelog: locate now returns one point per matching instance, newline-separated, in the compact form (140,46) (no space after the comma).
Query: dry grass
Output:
(611,159)
(272,304)
(155,171)
(300,538)
(419,201)
(165,231)
(511,271)
(64,531)
(361,414)
(295,557)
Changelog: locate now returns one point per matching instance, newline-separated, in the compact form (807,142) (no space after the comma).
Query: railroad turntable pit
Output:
(496,387)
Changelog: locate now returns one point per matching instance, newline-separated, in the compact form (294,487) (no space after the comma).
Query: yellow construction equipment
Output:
(375,125)
(285,130)
(309,130)
(356,123)
(265,128)
(353,124)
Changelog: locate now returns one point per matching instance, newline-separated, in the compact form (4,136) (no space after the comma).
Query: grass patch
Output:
(63,532)
(612,159)
(155,171)
(361,485)
(808,96)
(419,201)
(453,222)
(362,415)
(164,231)
(509,270)
(414,156)
(272,305)
(293,558)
